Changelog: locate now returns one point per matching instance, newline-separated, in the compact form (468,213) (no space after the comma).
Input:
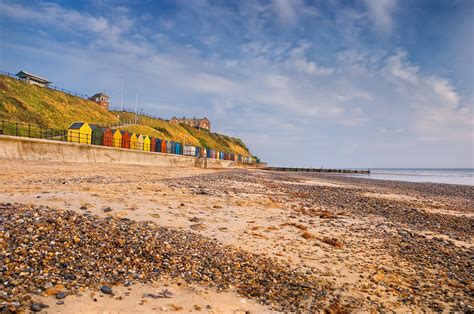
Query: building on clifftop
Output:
(101,99)
(32,79)
(203,123)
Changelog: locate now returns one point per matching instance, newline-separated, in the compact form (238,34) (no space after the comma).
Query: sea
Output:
(464,176)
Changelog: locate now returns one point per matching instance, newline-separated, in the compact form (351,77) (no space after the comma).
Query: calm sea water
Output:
(450,176)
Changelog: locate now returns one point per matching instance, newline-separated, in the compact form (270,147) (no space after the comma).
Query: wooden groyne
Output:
(359,171)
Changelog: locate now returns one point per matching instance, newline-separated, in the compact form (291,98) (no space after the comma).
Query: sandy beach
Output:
(230,241)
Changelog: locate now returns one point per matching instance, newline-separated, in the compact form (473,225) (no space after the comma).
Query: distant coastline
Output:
(463,176)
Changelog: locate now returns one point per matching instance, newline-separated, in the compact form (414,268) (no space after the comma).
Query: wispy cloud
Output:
(256,70)
(381,14)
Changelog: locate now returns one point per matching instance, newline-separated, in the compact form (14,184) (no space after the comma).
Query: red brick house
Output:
(203,123)
(101,99)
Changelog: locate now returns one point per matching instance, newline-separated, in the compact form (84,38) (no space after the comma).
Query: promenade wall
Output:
(21,148)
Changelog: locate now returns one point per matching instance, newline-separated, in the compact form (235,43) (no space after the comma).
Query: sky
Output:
(362,83)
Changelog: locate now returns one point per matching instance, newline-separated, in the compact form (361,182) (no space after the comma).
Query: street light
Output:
(121,95)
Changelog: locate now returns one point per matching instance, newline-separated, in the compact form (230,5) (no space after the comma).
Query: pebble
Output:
(106,289)
(104,251)
(60,295)
(36,307)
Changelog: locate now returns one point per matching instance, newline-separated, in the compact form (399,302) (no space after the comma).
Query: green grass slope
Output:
(184,134)
(47,108)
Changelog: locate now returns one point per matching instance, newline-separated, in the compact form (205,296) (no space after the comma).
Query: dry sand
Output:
(350,233)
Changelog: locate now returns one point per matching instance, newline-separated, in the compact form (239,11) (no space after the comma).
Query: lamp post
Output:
(136,107)
(121,95)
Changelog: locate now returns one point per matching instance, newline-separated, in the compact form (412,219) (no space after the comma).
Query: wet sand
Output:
(371,245)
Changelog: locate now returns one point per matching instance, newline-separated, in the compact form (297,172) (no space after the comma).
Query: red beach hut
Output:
(163,146)
(152,144)
(108,137)
(125,139)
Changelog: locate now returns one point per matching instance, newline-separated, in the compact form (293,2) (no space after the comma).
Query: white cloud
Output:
(400,68)
(380,12)
(301,63)
(264,86)
(289,11)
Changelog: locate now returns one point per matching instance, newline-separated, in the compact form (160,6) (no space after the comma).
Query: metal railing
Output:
(28,130)
(84,96)
(107,138)
(129,110)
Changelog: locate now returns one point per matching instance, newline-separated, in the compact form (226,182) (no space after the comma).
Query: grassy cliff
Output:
(184,134)
(47,108)
(43,107)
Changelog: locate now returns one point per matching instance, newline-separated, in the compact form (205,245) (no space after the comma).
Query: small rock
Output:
(194,219)
(106,289)
(107,209)
(198,227)
(36,307)
(60,302)
(60,295)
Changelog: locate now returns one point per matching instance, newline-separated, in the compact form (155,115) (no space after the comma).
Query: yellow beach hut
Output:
(146,143)
(79,132)
(133,141)
(140,142)
(117,138)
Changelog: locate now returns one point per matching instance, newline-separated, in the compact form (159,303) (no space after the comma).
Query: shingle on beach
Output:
(42,247)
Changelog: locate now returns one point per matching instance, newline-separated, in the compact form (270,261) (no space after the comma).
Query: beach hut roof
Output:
(95,126)
(76,125)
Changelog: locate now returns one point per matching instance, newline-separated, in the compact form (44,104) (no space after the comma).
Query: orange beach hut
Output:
(125,139)
(108,137)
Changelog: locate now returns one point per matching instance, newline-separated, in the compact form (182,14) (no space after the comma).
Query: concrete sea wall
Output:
(21,148)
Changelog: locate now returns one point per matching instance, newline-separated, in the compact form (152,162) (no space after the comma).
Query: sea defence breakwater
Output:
(318,170)
(29,149)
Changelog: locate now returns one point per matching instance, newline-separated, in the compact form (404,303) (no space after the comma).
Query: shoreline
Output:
(370,245)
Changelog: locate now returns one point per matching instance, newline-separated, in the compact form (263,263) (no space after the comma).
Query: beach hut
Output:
(79,132)
(117,138)
(158,145)
(189,150)
(140,142)
(163,146)
(108,137)
(97,135)
(168,147)
(179,149)
(146,143)
(152,144)
(125,139)
(173,147)
(133,141)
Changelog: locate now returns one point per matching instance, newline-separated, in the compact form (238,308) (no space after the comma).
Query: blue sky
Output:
(363,83)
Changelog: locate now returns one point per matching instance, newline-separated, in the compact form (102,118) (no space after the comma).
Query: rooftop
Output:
(24,74)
